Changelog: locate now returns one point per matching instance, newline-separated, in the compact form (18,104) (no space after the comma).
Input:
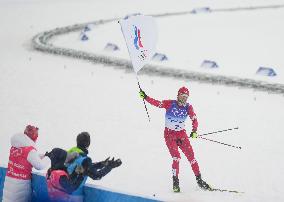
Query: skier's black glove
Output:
(142,94)
(114,163)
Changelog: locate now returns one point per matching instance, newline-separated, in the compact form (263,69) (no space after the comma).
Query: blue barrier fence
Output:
(2,178)
(91,193)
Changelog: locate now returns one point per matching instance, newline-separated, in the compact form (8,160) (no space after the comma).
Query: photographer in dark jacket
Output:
(93,170)
(96,170)
(59,183)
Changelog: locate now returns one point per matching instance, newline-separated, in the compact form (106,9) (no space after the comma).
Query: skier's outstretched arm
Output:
(161,104)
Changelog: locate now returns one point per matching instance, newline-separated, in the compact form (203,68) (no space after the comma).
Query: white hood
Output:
(21,140)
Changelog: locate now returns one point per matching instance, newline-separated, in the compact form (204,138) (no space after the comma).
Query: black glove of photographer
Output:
(114,163)
(105,161)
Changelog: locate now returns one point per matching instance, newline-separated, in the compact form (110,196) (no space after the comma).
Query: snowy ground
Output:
(64,96)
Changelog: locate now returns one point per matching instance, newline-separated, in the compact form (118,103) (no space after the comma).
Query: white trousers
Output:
(16,190)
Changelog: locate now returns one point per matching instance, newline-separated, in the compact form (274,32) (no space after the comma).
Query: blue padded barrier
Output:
(91,193)
(2,179)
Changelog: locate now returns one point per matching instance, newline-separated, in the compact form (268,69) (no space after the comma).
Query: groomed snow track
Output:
(41,42)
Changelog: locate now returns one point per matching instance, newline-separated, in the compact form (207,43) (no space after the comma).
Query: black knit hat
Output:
(83,140)
(57,157)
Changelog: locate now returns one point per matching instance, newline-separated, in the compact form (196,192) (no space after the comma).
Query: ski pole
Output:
(219,131)
(220,142)
(143,99)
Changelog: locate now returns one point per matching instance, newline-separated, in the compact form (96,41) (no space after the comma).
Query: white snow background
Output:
(64,96)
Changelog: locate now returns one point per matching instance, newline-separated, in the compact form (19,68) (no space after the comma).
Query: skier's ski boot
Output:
(202,184)
(176,188)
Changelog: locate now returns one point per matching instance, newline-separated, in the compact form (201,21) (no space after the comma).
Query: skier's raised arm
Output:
(161,104)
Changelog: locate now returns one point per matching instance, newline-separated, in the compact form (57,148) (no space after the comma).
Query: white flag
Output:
(140,34)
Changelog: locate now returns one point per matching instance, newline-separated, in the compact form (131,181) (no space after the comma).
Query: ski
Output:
(225,190)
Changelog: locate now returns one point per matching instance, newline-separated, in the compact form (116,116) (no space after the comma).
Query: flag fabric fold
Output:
(140,34)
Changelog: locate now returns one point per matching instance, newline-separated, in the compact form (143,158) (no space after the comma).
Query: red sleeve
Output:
(161,104)
(193,118)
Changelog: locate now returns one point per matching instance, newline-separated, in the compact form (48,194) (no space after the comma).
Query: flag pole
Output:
(143,99)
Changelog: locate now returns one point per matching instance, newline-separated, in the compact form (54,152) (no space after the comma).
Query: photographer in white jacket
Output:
(23,157)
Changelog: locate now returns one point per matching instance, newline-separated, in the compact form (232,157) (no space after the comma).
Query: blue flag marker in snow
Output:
(201,10)
(111,47)
(160,57)
(84,37)
(209,64)
(266,71)
(87,28)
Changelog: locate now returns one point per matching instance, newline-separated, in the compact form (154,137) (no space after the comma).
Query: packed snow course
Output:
(64,96)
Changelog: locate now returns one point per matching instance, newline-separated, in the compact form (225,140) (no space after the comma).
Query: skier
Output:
(93,170)
(23,157)
(175,134)
(60,184)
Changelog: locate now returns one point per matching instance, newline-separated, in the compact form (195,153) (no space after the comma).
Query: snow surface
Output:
(65,96)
